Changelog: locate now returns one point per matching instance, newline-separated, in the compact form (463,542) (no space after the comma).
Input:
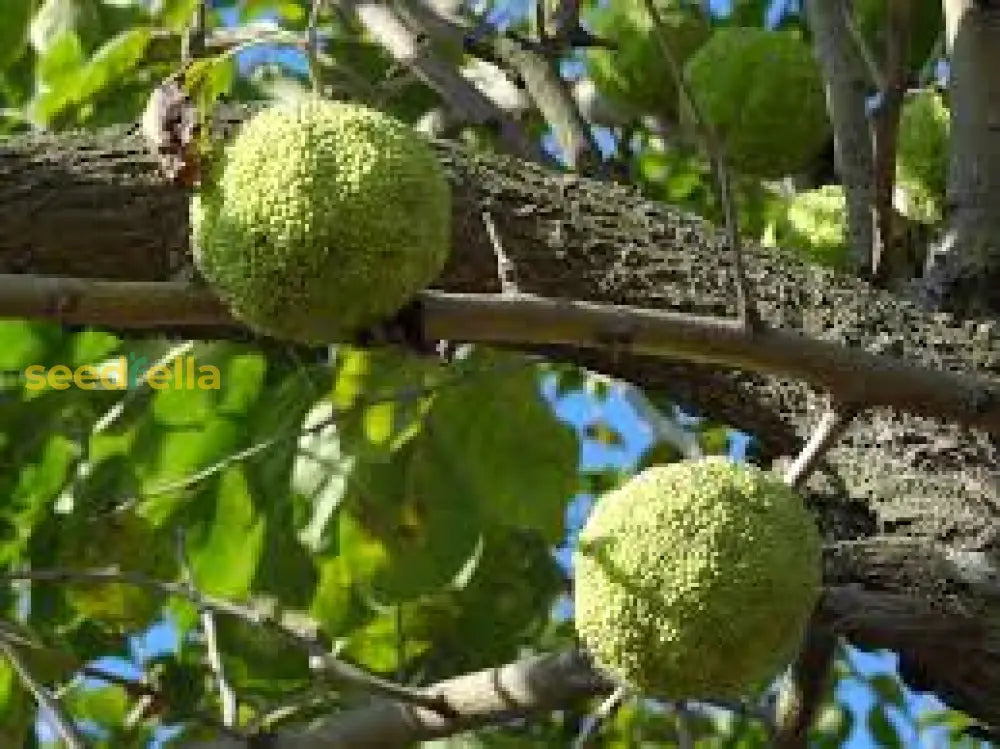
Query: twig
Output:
(193,41)
(604,711)
(802,695)
(506,271)
(49,707)
(227,696)
(717,156)
(886,131)
(831,425)
(387,27)
(875,74)
(320,660)
(312,45)
(539,73)
(684,738)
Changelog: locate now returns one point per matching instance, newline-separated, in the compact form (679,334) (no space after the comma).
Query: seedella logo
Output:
(125,373)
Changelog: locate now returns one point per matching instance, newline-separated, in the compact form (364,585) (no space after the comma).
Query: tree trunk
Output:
(909,506)
(964,269)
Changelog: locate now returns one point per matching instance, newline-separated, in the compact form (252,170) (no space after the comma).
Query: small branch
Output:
(831,425)
(193,41)
(720,168)
(539,73)
(227,696)
(530,322)
(506,271)
(320,660)
(312,45)
(802,696)
(48,706)
(387,27)
(875,75)
(604,711)
(886,131)
(684,738)
(532,685)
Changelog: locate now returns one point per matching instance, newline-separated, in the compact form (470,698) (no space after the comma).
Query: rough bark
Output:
(910,506)
(964,269)
(846,89)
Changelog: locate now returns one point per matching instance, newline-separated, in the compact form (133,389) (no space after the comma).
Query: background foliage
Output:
(418,513)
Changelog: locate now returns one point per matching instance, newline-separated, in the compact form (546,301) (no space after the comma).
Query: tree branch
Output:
(521,320)
(49,707)
(487,697)
(92,205)
(391,31)
(320,660)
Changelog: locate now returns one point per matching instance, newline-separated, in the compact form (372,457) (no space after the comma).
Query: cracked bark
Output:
(964,269)
(910,506)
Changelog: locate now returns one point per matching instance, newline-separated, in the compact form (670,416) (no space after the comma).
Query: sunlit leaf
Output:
(224,549)
(495,439)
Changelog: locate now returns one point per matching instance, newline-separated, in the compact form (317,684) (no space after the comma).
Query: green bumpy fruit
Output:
(762,92)
(816,225)
(697,579)
(327,217)
(922,157)
(635,76)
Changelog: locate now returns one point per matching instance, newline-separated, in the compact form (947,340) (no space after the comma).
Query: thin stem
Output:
(831,426)
(320,661)
(49,707)
(720,168)
(227,696)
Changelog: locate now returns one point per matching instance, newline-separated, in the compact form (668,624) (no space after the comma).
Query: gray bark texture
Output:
(964,268)
(910,507)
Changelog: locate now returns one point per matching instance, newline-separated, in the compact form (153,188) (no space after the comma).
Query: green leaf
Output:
(124,541)
(52,20)
(502,605)
(104,705)
(888,689)
(494,439)
(15,713)
(14,30)
(335,605)
(112,62)
(883,732)
(713,438)
(401,534)
(224,550)
(381,396)
(833,726)
(259,660)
